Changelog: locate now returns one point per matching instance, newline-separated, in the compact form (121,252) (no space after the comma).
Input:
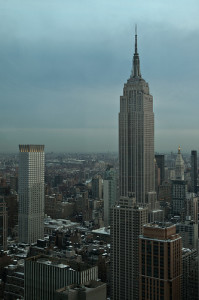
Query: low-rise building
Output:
(89,291)
(44,275)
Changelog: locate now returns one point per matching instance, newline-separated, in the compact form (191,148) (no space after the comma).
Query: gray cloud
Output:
(63,66)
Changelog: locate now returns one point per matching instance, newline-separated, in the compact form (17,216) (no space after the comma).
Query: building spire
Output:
(136,42)
(136,61)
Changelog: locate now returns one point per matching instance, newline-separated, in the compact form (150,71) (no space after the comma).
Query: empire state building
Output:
(136,136)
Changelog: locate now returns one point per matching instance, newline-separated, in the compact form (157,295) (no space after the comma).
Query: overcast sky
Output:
(63,65)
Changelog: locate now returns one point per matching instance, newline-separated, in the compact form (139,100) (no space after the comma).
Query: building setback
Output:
(31,193)
(160,262)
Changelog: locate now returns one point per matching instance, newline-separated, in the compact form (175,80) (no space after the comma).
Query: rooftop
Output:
(59,263)
(159,225)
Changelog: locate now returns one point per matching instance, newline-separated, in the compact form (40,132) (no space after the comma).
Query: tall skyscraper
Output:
(194,171)
(160,262)
(136,136)
(126,226)
(31,193)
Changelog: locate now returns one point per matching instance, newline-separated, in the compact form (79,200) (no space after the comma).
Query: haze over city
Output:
(63,66)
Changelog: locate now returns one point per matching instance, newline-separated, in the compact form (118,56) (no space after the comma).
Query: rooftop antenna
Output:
(136,39)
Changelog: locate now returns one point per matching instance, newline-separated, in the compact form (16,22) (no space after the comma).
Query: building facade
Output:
(3,224)
(189,286)
(97,187)
(189,233)
(194,171)
(179,190)
(191,206)
(44,275)
(126,225)
(160,163)
(179,166)
(31,193)
(160,262)
(136,136)
(110,194)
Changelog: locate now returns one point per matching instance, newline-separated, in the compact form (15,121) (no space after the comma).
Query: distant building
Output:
(127,222)
(157,176)
(179,190)
(189,233)
(189,287)
(160,262)
(164,192)
(194,171)
(191,206)
(12,206)
(110,194)
(97,187)
(155,214)
(31,193)
(44,275)
(58,180)
(161,165)
(14,183)
(3,224)
(179,166)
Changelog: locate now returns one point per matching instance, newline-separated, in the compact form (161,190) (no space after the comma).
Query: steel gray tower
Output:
(31,193)
(136,135)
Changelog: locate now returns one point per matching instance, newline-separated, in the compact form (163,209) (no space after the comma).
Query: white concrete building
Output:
(31,193)
(44,275)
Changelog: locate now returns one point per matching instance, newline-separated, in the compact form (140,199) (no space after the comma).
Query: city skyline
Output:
(61,63)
